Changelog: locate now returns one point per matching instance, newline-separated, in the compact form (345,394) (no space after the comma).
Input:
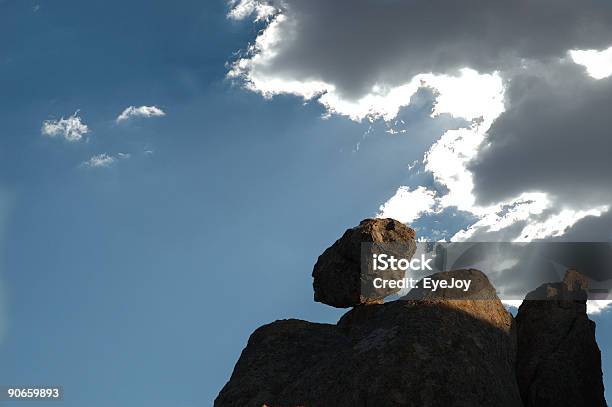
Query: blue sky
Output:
(139,283)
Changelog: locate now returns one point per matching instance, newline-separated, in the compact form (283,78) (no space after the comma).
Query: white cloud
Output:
(594,307)
(557,224)
(597,63)
(407,205)
(470,95)
(142,111)
(382,101)
(495,221)
(525,217)
(319,49)
(241,9)
(104,160)
(249,69)
(71,128)
(100,160)
(598,306)
(449,157)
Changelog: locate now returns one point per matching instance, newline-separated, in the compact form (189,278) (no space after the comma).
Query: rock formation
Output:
(337,275)
(427,349)
(403,353)
(559,362)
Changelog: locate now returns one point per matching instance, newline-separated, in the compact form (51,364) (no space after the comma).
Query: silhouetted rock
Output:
(436,352)
(337,275)
(559,362)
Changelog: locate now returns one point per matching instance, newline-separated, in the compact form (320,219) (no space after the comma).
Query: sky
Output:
(170,173)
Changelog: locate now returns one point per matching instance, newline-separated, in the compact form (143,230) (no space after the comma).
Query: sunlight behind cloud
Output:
(557,224)
(482,79)
(407,205)
(597,63)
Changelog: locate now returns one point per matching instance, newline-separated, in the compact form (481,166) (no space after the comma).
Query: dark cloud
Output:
(555,137)
(590,229)
(354,44)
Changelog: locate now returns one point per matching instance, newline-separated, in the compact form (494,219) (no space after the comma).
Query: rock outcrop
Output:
(435,352)
(559,362)
(428,349)
(337,275)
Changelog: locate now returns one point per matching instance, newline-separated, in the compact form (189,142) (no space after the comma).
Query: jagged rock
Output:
(436,352)
(337,275)
(559,362)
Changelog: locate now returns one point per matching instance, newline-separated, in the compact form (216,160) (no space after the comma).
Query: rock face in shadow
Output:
(435,352)
(559,362)
(337,275)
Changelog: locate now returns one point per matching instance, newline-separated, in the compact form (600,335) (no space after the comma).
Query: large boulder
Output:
(434,352)
(559,362)
(343,268)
